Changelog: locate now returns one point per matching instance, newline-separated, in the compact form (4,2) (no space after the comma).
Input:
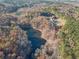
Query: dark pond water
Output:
(34,36)
(46,14)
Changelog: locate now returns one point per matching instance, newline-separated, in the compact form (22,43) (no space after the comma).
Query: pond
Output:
(34,36)
(46,14)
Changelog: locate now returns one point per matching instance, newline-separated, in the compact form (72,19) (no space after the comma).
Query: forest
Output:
(39,29)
